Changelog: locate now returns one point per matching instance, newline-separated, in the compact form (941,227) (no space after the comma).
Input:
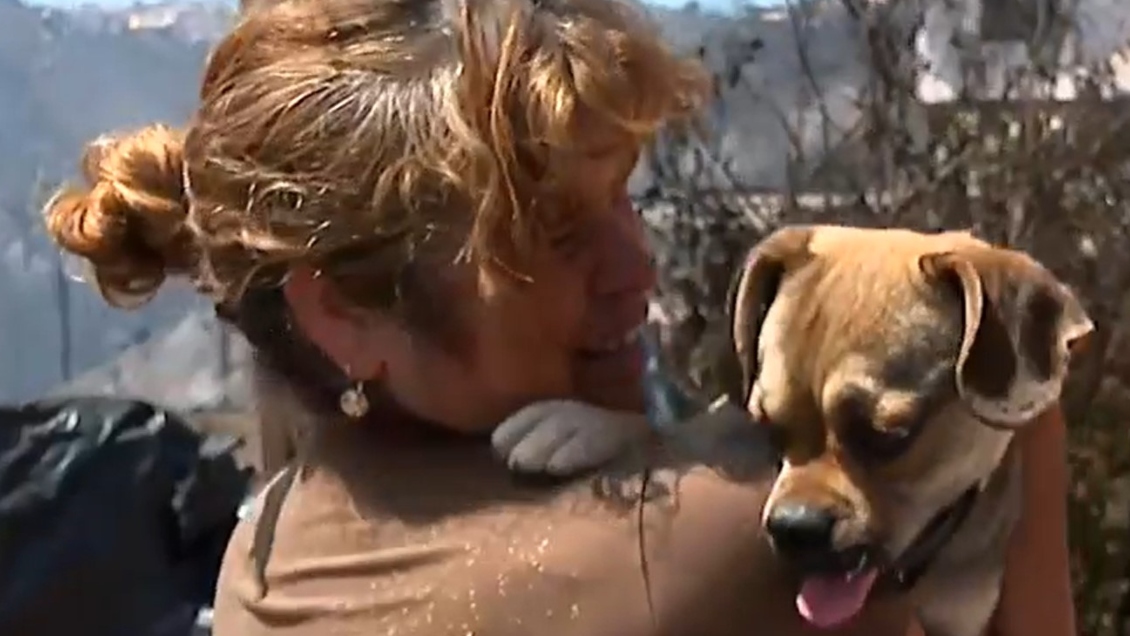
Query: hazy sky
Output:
(714,4)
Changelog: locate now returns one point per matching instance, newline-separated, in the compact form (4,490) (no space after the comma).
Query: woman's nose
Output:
(625,260)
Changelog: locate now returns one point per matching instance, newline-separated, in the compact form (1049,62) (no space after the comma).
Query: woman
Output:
(415,210)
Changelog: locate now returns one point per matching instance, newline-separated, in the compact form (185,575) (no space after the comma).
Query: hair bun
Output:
(130,222)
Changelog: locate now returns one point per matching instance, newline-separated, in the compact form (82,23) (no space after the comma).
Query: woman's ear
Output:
(349,336)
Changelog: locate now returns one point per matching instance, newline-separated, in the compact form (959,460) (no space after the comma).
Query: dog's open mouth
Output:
(829,600)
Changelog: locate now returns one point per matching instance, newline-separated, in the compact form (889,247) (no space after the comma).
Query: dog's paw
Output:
(564,437)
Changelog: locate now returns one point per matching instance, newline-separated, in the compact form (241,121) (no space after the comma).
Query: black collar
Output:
(915,561)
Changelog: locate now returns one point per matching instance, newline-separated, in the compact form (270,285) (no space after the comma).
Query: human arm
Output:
(1036,595)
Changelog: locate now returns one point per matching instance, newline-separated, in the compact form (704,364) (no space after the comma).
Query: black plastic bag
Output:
(114,515)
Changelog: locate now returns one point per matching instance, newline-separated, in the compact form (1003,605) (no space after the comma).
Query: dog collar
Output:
(909,568)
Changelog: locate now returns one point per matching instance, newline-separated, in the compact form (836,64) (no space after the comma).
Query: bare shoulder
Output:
(666,540)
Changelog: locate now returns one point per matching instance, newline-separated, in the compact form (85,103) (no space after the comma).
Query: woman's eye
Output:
(568,243)
(565,244)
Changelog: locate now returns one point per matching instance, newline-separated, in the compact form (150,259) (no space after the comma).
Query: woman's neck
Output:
(392,424)
(388,425)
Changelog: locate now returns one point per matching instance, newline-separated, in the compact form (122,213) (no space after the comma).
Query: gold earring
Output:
(353,401)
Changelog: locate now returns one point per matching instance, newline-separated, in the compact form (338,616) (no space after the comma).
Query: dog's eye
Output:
(885,444)
(865,438)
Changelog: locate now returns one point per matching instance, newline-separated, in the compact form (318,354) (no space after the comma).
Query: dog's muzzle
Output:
(836,581)
(805,536)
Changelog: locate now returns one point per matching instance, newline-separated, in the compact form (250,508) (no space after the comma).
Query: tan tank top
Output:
(437,540)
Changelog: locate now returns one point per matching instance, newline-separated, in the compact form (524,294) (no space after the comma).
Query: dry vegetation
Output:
(1022,170)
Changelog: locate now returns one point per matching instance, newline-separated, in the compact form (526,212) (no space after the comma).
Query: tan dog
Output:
(895,368)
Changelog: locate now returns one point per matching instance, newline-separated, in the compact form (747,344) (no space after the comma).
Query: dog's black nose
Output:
(801,532)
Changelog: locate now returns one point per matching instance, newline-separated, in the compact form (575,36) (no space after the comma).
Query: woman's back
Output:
(438,538)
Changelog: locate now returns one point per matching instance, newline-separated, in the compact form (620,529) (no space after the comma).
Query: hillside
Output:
(64,79)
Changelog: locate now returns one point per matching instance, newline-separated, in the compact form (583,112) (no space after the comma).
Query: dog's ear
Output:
(752,291)
(1020,325)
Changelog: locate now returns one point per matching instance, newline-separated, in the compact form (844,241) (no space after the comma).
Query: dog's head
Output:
(894,368)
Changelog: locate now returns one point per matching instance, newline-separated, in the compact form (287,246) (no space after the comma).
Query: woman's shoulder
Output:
(666,541)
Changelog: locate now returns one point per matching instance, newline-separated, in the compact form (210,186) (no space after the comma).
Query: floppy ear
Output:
(752,292)
(1020,324)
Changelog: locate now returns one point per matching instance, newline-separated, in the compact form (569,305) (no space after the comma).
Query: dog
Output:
(894,369)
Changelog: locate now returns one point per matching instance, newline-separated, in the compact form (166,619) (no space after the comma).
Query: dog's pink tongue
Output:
(830,600)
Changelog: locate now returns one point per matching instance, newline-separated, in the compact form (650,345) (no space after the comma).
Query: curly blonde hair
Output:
(348,134)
